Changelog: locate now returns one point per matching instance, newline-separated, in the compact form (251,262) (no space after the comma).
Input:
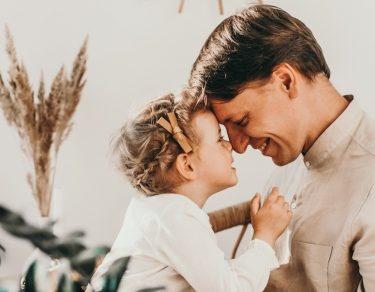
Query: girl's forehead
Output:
(205,124)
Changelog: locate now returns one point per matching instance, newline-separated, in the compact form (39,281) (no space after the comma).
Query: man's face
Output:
(265,117)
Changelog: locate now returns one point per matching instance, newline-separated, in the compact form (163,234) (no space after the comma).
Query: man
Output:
(267,81)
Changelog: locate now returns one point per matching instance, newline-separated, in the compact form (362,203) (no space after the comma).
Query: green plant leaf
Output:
(10,217)
(66,285)
(85,262)
(14,224)
(61,247)
(113,276)
(62,284)
(82,261)
(29,232)
(2,249)
(75,234)
(43,238)
(29,283)
(161,288)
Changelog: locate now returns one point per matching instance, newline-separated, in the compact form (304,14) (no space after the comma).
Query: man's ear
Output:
(286,74)
(185,166)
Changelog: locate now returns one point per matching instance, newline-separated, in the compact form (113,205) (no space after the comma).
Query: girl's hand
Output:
(270,220)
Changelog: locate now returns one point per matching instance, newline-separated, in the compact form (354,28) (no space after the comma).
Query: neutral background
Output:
(139,49)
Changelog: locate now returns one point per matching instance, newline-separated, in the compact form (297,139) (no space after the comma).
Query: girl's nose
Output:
(228,146)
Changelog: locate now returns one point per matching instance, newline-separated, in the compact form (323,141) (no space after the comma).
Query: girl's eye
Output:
(221,138)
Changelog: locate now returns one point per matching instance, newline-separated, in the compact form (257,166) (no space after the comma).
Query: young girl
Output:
(174,154)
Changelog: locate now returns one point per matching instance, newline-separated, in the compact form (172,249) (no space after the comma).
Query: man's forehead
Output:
(222,110)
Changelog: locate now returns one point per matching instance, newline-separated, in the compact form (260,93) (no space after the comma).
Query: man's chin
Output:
(278,163)
(281,161)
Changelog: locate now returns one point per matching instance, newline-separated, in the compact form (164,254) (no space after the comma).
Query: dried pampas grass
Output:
(42,121)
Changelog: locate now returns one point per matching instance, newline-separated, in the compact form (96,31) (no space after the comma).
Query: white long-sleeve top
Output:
(172,244)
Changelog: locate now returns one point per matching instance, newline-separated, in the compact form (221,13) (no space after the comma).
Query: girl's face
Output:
(214,154)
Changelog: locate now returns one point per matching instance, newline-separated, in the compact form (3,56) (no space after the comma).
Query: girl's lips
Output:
(232,163)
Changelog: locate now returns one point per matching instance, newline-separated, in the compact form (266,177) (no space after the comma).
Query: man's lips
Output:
(260,144)
(264,145)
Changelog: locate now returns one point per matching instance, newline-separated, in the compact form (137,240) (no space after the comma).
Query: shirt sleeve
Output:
(364,242)
(190,247)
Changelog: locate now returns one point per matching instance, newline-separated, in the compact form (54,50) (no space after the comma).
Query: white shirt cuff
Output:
(268,251)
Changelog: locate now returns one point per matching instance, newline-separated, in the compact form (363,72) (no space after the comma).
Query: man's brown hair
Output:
(248,46)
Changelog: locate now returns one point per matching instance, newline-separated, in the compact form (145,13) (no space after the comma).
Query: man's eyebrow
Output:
(231,119)
(226,120)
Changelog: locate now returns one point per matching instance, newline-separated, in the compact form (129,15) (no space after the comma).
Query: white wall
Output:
(139,49)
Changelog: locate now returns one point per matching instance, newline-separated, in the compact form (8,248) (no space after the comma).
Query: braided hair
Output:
(145,152)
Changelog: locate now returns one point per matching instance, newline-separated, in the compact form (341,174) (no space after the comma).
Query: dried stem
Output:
(42,122)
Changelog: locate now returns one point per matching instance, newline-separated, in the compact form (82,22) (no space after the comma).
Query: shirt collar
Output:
(338,133)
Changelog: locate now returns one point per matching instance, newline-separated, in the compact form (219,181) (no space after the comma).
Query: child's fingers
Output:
(280,200)
(272,196)
(254,205)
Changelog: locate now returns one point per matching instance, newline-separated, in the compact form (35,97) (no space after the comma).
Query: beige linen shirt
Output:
(332,233)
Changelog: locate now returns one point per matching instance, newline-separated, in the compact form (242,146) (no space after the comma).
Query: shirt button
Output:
(308,164)
(293,205)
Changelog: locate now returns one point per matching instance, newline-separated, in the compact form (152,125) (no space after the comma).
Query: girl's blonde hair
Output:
(145,152)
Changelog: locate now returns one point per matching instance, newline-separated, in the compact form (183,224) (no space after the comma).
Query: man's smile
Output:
(260,144)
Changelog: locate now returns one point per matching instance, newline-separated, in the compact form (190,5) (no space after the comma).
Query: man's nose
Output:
(239,140)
